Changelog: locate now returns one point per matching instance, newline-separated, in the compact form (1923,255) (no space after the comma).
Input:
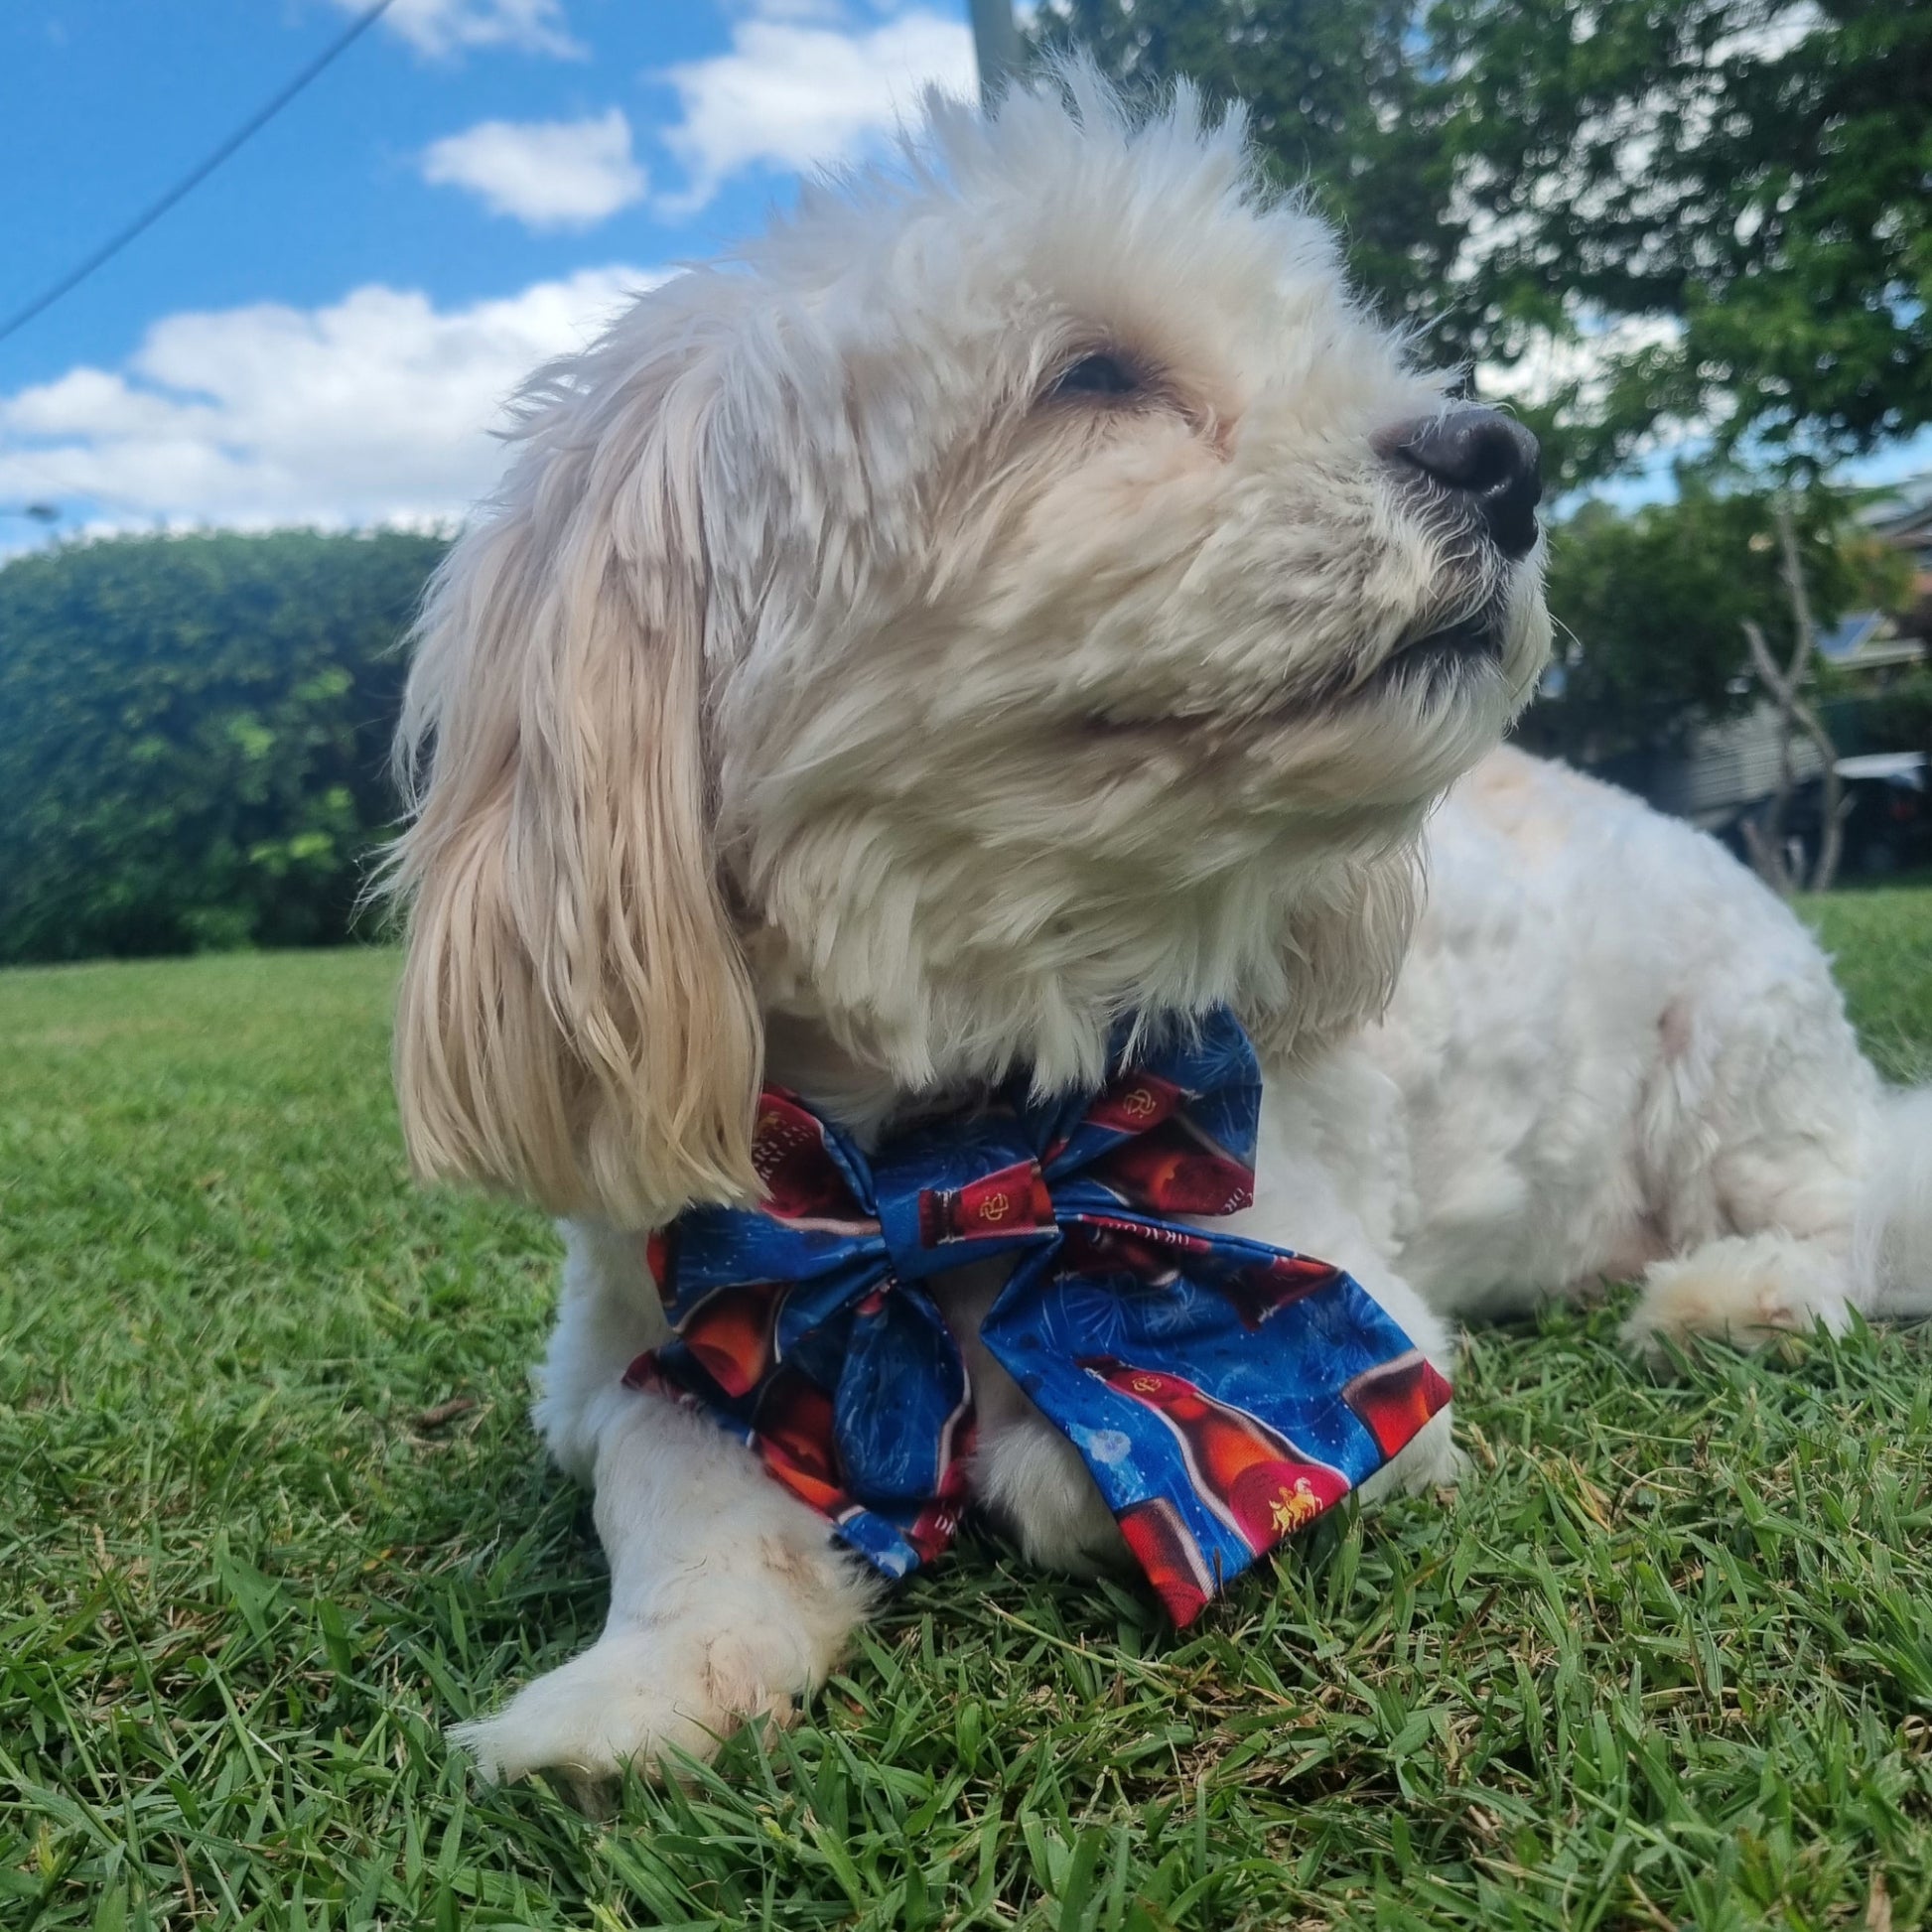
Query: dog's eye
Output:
(1096,375)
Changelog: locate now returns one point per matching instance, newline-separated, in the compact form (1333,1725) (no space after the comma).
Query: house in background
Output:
(1726,772)
(1726,769)
(1905,520)
(1868,641)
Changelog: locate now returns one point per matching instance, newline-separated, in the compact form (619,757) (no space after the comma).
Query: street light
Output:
(996,43)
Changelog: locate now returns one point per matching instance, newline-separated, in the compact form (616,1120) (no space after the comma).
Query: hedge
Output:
(193,738)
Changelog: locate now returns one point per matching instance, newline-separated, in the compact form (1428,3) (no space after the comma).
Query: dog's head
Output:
(1015,592)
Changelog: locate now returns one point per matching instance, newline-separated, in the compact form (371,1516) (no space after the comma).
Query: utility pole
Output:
(996,43)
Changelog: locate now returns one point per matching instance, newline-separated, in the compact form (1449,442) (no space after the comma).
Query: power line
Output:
(195,177)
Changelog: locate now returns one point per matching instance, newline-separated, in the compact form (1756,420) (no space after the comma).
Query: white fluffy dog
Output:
(1018,592)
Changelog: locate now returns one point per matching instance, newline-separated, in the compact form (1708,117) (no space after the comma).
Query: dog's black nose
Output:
(1487,457)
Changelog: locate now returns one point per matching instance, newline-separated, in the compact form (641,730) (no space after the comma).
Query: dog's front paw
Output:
(1745,1289)
(638,1695)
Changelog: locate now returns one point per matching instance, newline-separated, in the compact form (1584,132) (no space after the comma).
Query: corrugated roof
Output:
(1848,635)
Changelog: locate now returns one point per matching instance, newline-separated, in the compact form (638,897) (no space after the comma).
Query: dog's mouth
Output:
(1431,659)
(1476,638)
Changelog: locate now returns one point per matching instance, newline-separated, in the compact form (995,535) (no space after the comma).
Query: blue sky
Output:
(326,330)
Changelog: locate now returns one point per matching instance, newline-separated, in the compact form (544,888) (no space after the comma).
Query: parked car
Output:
(1887,829)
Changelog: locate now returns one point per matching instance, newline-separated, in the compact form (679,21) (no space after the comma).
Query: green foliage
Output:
(1753,172)
(197,738)
(1902,719)
(1662,1660)
(1724,198)
(1650,610)
(1337,101)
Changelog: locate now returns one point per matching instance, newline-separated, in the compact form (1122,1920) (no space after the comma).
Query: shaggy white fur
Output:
(996,602)
(1613,1053)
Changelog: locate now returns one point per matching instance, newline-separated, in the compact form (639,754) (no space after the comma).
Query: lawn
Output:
(275,1516)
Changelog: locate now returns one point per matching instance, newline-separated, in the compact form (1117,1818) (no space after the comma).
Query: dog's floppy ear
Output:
(575,1023)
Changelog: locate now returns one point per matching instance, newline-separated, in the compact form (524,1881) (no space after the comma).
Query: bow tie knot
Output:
(924,1227)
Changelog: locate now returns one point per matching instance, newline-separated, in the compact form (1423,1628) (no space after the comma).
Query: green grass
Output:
(1880,942)
(1664,1660)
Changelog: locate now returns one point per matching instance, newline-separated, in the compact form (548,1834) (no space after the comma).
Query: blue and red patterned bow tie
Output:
(1224,1393)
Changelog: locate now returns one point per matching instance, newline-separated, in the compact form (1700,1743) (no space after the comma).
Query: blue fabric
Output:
(1222,1392)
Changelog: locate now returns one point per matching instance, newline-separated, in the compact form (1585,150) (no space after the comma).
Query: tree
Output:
(1651,608)
(1338,101)
(197,738)
(1734,191)
(1784,684)
(1663,215)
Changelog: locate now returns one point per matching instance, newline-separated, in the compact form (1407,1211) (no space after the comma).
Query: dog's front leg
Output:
(727,1601)
(728,1596)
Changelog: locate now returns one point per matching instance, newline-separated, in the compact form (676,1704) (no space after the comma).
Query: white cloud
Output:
(546,174)
(1550,365)
(440,28)
(797,91)
(374,409)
